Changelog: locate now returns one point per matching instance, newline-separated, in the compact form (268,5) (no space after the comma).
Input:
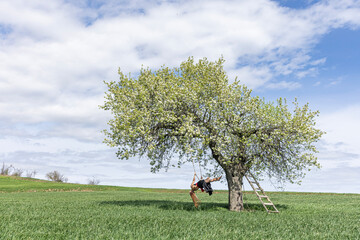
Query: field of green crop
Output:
(20,184)
(70,211)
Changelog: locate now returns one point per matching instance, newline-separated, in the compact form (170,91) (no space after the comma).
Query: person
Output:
(204,185)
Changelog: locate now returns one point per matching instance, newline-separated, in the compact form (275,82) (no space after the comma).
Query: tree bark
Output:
(235,192)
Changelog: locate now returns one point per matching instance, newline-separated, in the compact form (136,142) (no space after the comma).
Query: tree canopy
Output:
(195,112)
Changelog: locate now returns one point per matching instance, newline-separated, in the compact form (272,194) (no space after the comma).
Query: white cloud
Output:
(38,20)
(284,85)
(335,82)
(331,180)
(342,127)
(252,76)
(339,152)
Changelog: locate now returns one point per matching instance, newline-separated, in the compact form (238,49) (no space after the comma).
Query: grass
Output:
(73,211)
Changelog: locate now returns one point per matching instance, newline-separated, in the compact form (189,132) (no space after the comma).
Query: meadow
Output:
(37,209)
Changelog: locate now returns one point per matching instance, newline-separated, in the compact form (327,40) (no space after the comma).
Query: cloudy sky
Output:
(55,55)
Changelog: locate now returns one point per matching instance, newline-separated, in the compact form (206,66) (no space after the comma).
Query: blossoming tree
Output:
(193,112)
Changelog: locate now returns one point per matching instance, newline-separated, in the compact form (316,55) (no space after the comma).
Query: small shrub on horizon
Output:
(17,172)
(31,174)
(93,181)
(55,176)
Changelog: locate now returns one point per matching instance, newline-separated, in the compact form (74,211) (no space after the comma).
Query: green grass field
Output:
(36,209)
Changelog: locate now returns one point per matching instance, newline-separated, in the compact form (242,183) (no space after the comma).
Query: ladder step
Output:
(273,212)
(263,196)
(269,204)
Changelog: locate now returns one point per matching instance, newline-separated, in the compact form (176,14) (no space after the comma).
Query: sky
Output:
(55,55)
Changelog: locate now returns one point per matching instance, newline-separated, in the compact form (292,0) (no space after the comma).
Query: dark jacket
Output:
(205,186)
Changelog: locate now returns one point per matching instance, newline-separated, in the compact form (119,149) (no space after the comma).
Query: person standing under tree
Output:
(204,185)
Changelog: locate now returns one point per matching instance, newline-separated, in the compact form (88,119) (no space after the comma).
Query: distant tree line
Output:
(17,172)
(54,176)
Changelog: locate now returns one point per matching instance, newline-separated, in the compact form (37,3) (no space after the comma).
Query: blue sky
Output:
(54,56)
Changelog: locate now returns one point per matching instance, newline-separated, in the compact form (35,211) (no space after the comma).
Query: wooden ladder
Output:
(268,204)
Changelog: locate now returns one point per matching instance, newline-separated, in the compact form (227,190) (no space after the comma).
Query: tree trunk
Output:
(234,176)
(235,192)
